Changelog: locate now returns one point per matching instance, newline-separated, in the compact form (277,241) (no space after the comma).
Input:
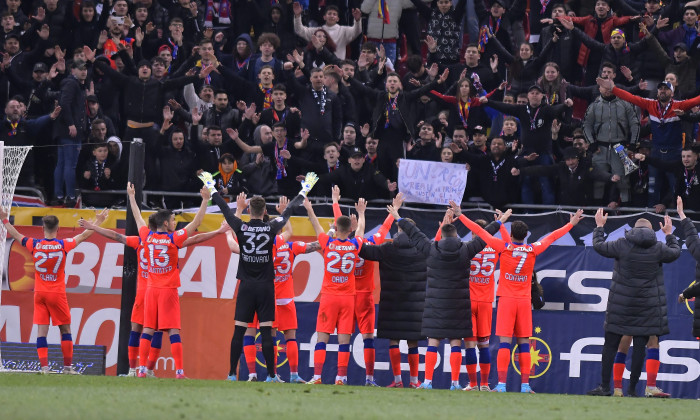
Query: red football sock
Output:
(176,350)
(343,361)
(485,371)
(413,362)
(455,364)
(502,362)
(293,355)
(153,357)
(525,366)
(369,361)
(67,348)
(618,370)
(430,360)
(133,357)
(250,353)
(652,371)
(471,371)
(43,353)
(395,357)
(319,360)
(144,348)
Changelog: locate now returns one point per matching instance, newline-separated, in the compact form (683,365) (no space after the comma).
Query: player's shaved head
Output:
(448,230)
(257,206)
(161,218)
(518,230)
(343,224)
(152,222)
(50,223)
(643,223)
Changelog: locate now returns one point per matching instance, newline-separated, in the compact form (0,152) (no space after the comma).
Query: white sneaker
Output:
(485,388)
(470,388)
(44,370)
(70,370)
(132,372)
(150,373)
(252,378)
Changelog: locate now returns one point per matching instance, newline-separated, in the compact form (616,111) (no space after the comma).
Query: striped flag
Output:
(383,11)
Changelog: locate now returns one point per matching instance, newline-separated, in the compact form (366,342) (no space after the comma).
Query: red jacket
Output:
(590,27)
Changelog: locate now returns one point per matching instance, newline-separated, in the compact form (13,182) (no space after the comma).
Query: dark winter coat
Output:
(637,299)
(402,271)
(447,312)
(693,243)
(72,102)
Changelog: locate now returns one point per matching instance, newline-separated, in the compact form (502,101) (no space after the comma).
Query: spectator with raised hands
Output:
(341,35)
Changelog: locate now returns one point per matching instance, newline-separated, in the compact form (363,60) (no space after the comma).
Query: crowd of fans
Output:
(262,91)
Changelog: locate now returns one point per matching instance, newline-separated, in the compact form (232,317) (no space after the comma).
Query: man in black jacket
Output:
(69,131)
(687,178)
(637,299)
(402,273)
(693,243)
(393,117)
(320,108)
(447,312)
(143,98)
(360,179)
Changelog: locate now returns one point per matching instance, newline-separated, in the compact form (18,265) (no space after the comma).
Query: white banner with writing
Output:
(432,182)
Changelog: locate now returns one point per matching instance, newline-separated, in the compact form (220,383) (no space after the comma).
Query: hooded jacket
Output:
(637,299)
(447,312)
(402,273)
(693,243)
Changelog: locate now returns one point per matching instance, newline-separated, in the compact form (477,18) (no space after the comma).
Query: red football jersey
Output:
(517,260)
(49,262)
(162,254)
(483,265)
(364,270)
(142,273)
(284,254)
(339,258)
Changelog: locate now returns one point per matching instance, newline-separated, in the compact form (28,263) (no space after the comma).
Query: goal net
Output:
(11,161)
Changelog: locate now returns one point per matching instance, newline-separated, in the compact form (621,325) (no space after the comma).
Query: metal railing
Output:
(382,203)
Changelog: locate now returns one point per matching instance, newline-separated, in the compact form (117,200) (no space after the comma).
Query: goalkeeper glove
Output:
(208,181)
(308,183)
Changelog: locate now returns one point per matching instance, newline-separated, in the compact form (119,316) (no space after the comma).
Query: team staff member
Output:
(637,300)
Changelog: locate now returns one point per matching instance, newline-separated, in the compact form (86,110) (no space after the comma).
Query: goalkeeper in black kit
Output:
(256,292)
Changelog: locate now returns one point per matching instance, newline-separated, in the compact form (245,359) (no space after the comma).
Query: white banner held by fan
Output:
(432,182)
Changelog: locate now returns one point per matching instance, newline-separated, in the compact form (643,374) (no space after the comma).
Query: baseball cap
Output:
(680,45)
(356,151)
(40,67)
(535,87)
(478,130)
(92,98)
(78,64)
(667,85)
(570,153)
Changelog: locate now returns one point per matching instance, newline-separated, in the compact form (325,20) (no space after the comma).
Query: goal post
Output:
(11,161)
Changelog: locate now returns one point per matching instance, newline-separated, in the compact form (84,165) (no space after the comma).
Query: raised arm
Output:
(360,206)
(10,229)
(202,237)
(335,197)
(131,192)
(312,217)
(99,219)
(194,224)
(107,233)
(691,233)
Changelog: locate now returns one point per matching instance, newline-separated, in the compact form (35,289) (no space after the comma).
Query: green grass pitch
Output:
(54,397)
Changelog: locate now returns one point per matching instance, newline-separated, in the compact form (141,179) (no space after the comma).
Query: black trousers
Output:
(612,341)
